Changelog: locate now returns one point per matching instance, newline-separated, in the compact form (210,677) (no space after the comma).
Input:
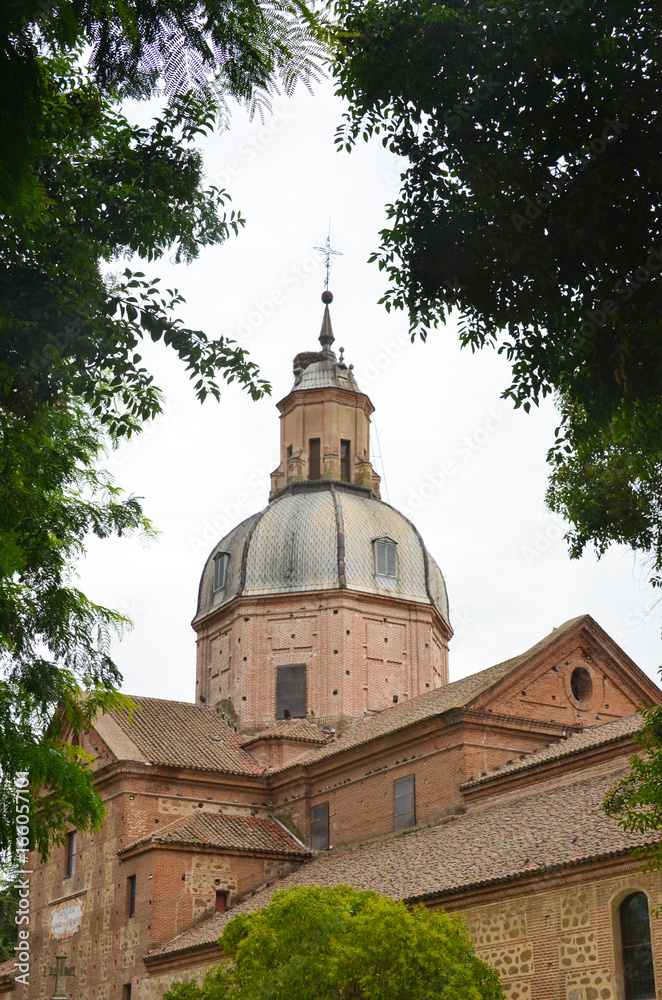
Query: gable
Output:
(581,679)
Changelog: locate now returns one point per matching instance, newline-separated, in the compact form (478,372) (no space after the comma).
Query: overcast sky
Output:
(458,460)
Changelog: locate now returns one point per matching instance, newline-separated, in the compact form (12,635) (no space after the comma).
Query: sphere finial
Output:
(327,297)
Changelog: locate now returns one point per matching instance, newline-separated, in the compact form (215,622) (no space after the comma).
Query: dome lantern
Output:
(325,421)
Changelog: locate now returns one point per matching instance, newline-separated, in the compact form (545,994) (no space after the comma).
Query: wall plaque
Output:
(66,919)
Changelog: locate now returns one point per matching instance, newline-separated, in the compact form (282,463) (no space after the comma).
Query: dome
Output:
(321,535)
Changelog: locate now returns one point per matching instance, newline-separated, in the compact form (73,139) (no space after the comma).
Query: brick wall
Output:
(359,651)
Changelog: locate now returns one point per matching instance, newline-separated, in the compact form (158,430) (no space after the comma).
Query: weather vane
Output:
(328,252)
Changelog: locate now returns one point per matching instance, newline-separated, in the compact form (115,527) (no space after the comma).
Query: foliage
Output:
(531,201)
(108,189)
(636,801)
(81,187)
(56,672)
(218,48)
(318,943)
(608,486)
(8,903)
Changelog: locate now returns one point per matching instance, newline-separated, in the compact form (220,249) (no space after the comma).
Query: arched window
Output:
(386,563)
(221,561)
(637,954)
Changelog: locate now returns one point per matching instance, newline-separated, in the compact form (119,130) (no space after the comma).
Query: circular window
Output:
(581,684)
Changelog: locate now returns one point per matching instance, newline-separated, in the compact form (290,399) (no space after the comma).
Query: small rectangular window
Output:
(345,447)
(319,827)
(72,837)
(221,901)
(220,570)
(289,451)
(131,896)
(314,471)
(404,803)
(291,694)
(126,991)
(385,558)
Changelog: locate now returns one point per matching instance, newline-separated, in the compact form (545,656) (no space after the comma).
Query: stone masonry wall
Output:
(562,943)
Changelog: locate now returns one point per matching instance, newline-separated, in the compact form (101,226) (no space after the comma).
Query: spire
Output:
(326,337)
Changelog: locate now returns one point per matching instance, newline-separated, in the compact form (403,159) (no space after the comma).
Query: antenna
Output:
(376,455)
(328,252)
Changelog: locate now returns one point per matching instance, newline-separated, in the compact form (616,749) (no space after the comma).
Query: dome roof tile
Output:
(318,536)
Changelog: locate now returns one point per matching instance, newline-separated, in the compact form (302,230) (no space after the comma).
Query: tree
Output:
(81,187)
(319,943)
(71,380)
(220,48)
(530,201)
(56,672)
(636,801)
(108,189)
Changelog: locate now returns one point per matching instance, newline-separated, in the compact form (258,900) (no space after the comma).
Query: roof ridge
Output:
(577,742)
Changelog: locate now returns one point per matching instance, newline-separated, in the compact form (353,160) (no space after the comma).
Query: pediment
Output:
(578,677)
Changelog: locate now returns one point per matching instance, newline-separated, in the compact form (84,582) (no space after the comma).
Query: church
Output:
(326,745)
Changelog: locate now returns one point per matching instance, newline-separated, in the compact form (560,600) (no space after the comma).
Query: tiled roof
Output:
(182,734)
(317,535)
(594,736)
(289,729)
(538,831)
(232,833)
(458,694)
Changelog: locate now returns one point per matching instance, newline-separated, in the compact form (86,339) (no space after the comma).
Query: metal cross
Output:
(60,970)
(328,252)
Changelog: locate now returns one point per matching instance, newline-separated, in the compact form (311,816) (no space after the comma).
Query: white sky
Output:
(467,468)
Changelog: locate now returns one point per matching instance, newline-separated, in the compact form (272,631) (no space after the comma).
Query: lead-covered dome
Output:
(323,535)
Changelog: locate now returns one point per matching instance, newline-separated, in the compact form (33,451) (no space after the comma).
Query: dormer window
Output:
(221,561)
(386,563)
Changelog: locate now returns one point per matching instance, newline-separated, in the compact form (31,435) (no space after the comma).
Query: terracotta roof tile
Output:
(289,729)
(7,969)
(232,833)
(455,695)
(493,842)
(182,734)
(594,736)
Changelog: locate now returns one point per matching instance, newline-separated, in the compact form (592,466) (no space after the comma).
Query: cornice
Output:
(604,867)
(323,394)
(210,953)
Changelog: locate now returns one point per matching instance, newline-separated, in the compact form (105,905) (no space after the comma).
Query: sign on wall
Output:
(66,919)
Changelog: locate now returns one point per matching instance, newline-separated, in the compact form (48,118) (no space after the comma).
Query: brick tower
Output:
(325,605)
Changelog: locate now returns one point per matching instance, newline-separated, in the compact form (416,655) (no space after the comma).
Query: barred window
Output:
(72,837)
(221,561)
(637,953)
(319,827)
(385,557)
(404,802)
(291,693)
